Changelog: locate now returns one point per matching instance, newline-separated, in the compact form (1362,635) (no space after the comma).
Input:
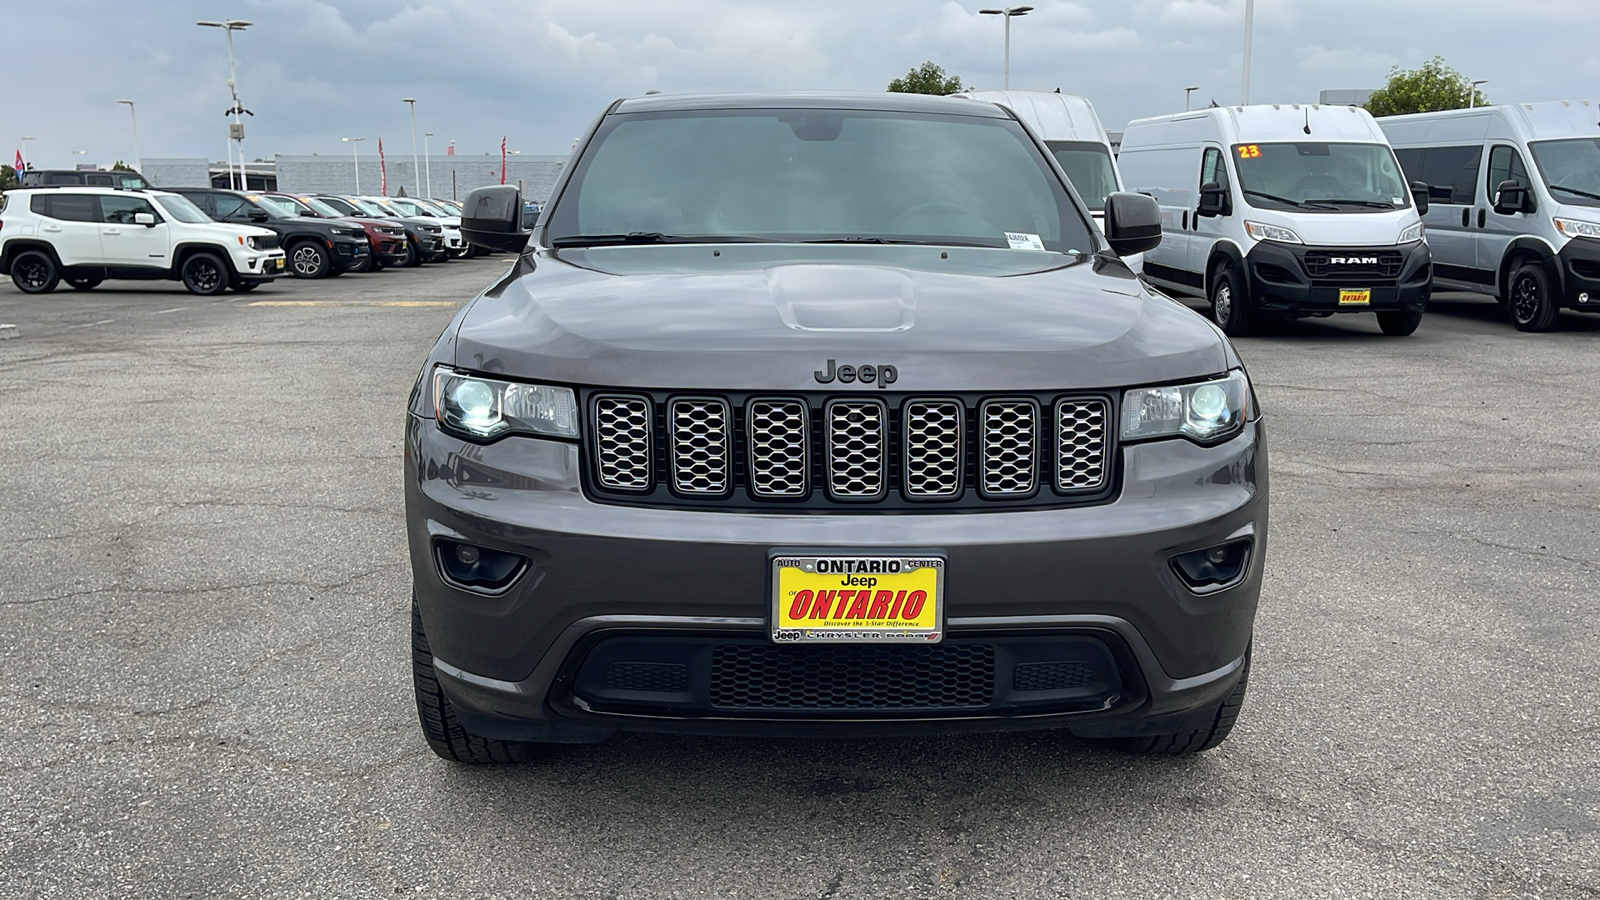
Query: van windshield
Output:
(815,175)
(1320,176)
(1088,166)
(1570,168)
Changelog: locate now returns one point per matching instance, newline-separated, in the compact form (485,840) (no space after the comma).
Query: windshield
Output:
(181,209)
(283,205)
(342,207)
(370,208)
(438,209)
(322,208)
(1320,176)
(408,207)
(1088,167)
(1570,168)
(130,181)
(816,175)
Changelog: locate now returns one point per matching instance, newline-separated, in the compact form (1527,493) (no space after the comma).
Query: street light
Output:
(1249,27)
(1009,12)
(1186,92)
(27,156)
(355,154)
(237,131)
(1472,92)
(138,160)
(427,161)
(412,102)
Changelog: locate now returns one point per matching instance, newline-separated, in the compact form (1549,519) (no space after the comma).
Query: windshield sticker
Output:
(1024,241)
(1398,201)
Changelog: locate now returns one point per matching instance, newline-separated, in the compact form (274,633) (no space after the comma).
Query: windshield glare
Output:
(371,209)
(284,205)
(181,209)
(1570,168)
(408,207)
(1320,176)
(323,209)
(342,207)
(818,175)
(1088,167)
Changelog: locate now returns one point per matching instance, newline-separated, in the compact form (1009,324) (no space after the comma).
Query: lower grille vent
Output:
(749,676)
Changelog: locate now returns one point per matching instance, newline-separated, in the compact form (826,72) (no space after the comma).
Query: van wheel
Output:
(84,284)
(1530,302)
(440,726)
(1399,324)
(34,272)
(307,259)
(1229,303)
(1200,739)
(204,274)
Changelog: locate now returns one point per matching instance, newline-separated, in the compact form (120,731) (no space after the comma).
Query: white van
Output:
(1281,210)
(1515,196)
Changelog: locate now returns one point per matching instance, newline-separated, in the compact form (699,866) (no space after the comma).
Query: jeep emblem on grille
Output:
(883,375)
(1353,260)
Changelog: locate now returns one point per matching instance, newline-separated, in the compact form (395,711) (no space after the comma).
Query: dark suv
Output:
(316,248)
(54,177)
(828,414)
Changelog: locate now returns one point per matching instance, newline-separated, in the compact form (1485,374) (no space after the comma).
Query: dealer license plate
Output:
(863,599)
(1348,297)
(278,264)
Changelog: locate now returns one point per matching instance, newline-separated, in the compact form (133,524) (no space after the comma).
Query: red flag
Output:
(502,159)
(19,164)
(383,171)
(450,150)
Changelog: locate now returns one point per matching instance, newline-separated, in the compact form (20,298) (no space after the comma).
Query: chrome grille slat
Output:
(1080,444)
(701,446)
(1009,450)
(855,449)
(622,443)
(932,457)
(779,438)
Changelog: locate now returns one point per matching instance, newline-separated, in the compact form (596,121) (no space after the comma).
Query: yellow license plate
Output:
(1349,297)
(863,599)
(277,264)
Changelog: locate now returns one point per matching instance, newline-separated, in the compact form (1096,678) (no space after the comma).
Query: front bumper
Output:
(261,266)
(1580,275)
(1282,284)
(349,253)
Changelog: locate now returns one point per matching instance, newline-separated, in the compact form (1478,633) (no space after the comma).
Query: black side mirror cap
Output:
(1133,223)
(1512,197)
(491,217)
(1213,200)
(1419,196)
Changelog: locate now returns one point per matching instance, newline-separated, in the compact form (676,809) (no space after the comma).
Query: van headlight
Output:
(1204,411)
(1411,233)
(479,407)
(1264,232)
(1577,228)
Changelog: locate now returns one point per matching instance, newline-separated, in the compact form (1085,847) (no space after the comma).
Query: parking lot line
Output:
(401,303)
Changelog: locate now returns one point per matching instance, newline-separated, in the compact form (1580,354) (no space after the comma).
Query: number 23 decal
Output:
(1249,151)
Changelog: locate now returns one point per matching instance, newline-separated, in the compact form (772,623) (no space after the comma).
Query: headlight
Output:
(1411,234)
(488,408)
(1263,232)
(1205,411)
(261,242)
(1577,228)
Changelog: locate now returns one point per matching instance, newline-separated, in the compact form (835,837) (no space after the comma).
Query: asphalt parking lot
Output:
(205,679)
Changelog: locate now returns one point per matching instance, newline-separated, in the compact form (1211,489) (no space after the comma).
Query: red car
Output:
(388,240)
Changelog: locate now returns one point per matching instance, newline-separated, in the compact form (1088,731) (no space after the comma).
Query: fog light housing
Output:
(482,570)
(1213,568)
(1583,297)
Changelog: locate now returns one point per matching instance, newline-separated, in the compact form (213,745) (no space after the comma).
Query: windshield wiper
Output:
(1375,204)
(1298,204)
(1557,187)
(653,237)
(872,239)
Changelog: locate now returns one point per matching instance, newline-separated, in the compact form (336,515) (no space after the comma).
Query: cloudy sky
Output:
(538,71)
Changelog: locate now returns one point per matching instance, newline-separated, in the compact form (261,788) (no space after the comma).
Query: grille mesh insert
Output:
(622,437)
(641,676)
(778,456)
(951,676)
(1080,445)
(1052,676)
(1010,448)
(933,448)
(700,446)
(855,449)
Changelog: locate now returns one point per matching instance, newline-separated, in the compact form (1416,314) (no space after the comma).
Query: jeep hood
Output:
(762,316)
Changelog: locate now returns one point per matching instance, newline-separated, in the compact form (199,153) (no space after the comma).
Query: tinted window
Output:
(121,210)
(1410,163)
(1505,164)
(100,180)
(340,207)
(68,207)
(63,178)
(1166,174)
(1450,172)
(1088,167)
(226,206)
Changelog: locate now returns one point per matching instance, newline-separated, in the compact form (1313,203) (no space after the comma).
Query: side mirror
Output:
(1512,197)
(257,215)
(1419,196)
(491,217)
(1133,223)
(148,220)
(1213,200)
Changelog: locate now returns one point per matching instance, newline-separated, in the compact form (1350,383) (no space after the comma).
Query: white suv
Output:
(84,235)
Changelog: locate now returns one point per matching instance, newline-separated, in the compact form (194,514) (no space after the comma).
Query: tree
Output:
(1432,87)
(120,166)
(8,178)
(926,79)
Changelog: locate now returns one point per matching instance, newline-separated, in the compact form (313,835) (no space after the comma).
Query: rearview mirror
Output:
(491,217)
(1511,197)
(1213,200)
(1419,196)
(146,219)
(1133,223)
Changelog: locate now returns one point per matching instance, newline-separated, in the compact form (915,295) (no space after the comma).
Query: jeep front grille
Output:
(700,446)
(933,464)
(779,437)
(622,442)
(1010,447)
(855,449)
(1080,445)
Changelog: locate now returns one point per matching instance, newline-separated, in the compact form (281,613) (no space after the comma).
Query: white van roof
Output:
(1527,121)
(1264,122)
(1056,117)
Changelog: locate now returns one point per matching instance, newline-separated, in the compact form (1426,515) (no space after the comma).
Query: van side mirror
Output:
(491,217)
(1512,197)
(148,220)
(1419,196)
(1133,223)
(1213,200)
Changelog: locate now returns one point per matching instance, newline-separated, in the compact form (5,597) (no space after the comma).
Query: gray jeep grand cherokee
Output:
(825,415)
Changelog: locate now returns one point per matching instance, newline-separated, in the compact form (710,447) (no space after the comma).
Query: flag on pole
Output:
(383,171)
(502,159)
(450,150)
(19,164)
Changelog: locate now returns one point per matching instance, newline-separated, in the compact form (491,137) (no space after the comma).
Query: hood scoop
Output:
(843,298)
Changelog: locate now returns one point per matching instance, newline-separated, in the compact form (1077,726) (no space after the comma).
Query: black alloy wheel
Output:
(34,272)
(205,274)
(308,259)
(1531,303)
(83,284)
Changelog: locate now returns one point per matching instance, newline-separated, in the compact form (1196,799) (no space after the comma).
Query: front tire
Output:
(35,272)
(443,731)
(1530,302)
(413,255)
(205,274)
(1230,303)
(1399,324)
(1198,740)
(84,284)
(308,259)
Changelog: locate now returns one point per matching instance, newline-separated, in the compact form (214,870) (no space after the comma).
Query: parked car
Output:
(85,235)
(1282,210)
(431,225)
(454,246)
(386,241)
(316,248)
(1515,202)
(122,178)
(424,240)
(775,427)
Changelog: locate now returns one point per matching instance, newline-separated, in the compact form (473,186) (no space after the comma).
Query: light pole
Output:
(138,160)
(27,157)
(412,102)
(237,131)
(427,161)
(1186,92)
(355,154)
(78,153)
(1472,92)
(1008,13)
(1249,26)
